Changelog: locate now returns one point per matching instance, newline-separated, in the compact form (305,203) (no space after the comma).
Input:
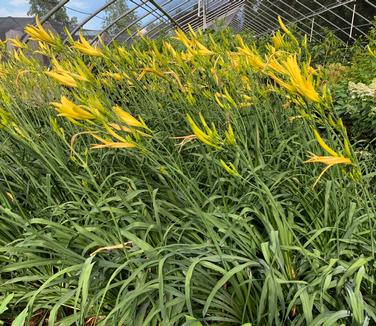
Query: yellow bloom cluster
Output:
(38,33)
(223,75)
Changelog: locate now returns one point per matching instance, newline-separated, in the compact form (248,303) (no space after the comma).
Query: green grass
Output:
(263,248)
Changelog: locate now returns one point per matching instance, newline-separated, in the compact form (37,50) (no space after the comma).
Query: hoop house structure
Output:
(347,19)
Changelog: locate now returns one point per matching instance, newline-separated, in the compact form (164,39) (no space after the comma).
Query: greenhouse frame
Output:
(256,16)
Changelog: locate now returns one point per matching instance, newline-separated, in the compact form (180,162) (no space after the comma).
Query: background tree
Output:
(113,12)
(59,20)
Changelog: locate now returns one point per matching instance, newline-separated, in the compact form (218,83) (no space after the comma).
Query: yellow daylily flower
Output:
(202,49)
(192,32)
(214,73)
(17,43)
(209,138)
(170,48)
(84,46)
(150,70)
(20,56)
(115,75)
(277,40)
(182,37)
(70,110)
(38,33)
(124,143)
(109,144)
(247,101)
(186,56)
(119,127)
(63,78)
(283,26)
(281,83)
(217,97)
(277,67)
(128,119)
(253,59)
(329,161)
(230,136)
(287,31)
(303,85)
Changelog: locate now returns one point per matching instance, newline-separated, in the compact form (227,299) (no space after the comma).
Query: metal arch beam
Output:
(130,25)
(104,30)
(319,13)
(370,3)
(339,17)
(323,10)
(218,13)
(236,24)
(160,17)
(256,22)
(214,14)
(348,28)
(160,8)
(284,12)
(87,19)
(358,14)
(179,20)
(184,20)
(156,14)
(153,21)
(211,11)
(197,19)
(229,12)
(53,10)
(252,26)
(294,18)
(273,20)
(300,19)
(152,12)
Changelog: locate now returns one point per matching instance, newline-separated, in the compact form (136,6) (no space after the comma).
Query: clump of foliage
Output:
(353,85)
(180,182)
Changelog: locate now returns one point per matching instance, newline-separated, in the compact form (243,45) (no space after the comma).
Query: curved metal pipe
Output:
(87,19)
(160,8)
(104,30)
(153,21)
(197,19)
(130,25)
(176,7)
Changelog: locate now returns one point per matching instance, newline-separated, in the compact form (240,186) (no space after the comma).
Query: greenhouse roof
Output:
(347,19)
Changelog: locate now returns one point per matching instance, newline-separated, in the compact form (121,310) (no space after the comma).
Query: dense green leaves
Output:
(165,235)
